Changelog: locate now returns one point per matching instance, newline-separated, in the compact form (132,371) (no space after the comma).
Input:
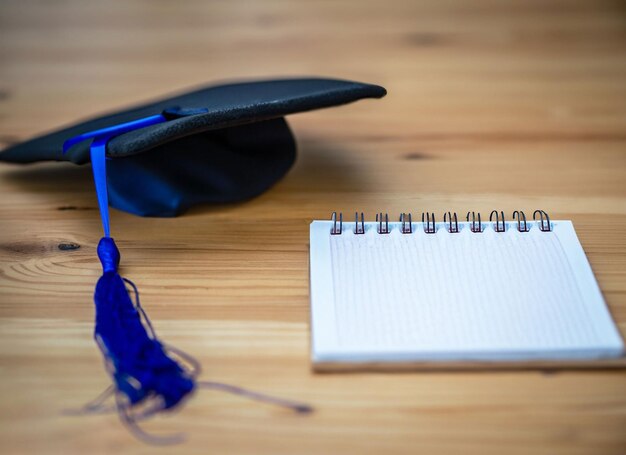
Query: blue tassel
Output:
(138,363)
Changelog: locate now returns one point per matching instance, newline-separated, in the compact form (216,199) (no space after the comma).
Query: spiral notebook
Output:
(432,294)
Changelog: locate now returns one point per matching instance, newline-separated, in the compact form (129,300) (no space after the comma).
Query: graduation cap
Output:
(222,143)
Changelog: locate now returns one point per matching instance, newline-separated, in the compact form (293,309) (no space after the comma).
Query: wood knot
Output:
(73,207)
(68,246)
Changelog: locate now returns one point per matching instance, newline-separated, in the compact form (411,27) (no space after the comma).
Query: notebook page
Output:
(464,296)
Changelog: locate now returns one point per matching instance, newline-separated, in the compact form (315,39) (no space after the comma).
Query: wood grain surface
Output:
(491,105)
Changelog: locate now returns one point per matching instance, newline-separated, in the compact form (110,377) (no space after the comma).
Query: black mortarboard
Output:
(222,143)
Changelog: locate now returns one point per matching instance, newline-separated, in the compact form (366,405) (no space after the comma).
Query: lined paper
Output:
(456,296)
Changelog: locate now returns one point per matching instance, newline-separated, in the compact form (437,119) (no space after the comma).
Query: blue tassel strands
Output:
(139,364)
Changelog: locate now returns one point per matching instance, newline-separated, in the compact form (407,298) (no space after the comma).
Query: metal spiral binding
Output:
(447,218)
(545,227)
(357,229)
(407,228)
(429,227)
(473,225)
(333,229)
(498,227)
(519,216)
(382,228)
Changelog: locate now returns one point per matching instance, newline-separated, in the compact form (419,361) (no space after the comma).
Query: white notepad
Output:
(466,296)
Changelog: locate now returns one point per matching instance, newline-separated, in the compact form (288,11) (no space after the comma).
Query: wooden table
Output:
(491,105)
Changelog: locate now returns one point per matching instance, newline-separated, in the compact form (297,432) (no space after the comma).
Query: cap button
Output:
(172,113)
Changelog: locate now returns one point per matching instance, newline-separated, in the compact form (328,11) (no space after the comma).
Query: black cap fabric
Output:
(222,143)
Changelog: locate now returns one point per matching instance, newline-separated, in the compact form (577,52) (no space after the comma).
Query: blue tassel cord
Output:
(146,379)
